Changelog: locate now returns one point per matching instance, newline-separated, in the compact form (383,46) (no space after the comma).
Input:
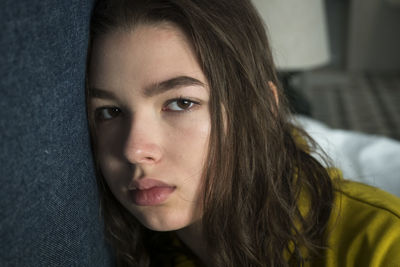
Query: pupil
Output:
(183,104)
(114,111)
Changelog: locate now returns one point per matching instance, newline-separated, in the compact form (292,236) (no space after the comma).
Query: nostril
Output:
(146,159)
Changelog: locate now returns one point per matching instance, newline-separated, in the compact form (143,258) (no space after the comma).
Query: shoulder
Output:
(364,228)
(371,199)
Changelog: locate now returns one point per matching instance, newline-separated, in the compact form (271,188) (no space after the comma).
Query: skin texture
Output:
(144,132)
(255,166)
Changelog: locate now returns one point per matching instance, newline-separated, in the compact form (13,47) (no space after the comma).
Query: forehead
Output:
(146,54)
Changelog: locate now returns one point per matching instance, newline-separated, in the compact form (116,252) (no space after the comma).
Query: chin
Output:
(164,222)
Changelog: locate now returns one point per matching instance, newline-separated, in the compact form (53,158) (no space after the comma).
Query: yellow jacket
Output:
(363,230)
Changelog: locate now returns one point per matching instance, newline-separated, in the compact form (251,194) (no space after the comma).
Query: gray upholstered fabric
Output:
(49,213)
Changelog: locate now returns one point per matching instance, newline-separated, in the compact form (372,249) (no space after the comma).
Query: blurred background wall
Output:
(364,34)
(339,66)
(339,60)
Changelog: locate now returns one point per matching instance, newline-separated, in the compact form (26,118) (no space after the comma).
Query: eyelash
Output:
(100,116)
(191,102)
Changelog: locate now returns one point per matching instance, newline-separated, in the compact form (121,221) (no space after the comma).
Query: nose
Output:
(142,144)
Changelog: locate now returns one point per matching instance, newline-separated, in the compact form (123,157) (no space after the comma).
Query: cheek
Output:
(113,174)
(110,139)
(108,149)
(111,136)
(186,153)
(190,139)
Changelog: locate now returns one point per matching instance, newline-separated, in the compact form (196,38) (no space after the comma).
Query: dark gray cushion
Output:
(49,214)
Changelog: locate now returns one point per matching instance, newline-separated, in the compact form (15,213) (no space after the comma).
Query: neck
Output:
(193,238)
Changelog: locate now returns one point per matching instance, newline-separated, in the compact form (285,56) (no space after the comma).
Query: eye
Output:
(180,104)
(107,113)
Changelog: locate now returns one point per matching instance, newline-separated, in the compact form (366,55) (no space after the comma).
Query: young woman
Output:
(198,163)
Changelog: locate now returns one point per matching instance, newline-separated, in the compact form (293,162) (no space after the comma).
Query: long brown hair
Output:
(256,168)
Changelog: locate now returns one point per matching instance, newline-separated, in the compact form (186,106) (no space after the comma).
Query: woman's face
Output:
(150,104)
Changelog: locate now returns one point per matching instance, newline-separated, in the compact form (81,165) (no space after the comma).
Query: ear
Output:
(274,89)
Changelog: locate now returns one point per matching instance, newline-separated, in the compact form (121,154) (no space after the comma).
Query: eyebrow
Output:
(101,93)
(174,83)
(153,89)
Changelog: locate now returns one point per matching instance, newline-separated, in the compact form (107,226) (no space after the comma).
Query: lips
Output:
(150,192)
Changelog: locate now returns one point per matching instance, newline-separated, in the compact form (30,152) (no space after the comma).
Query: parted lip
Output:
(147,183)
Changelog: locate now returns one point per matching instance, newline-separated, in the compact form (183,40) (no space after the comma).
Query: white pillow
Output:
(370,159)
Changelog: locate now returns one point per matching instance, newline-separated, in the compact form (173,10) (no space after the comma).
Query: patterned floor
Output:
(365,102)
